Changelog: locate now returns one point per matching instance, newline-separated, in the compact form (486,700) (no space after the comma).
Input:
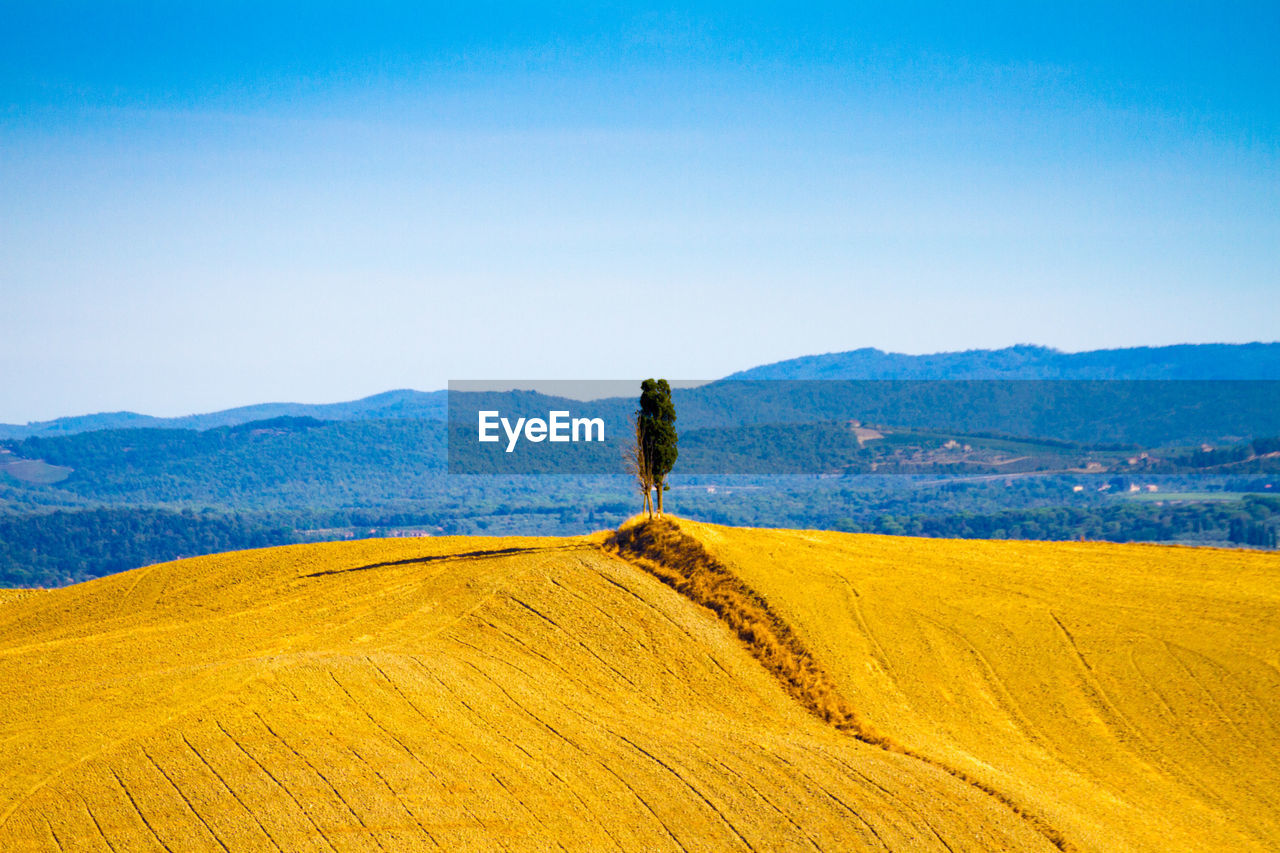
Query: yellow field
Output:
(543,694)
(1128,694)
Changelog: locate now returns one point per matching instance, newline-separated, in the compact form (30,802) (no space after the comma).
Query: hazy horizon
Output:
(585,389)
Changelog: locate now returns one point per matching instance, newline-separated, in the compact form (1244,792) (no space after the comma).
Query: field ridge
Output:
(659,547)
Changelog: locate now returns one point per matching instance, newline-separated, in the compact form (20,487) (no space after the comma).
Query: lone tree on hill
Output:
(655,452)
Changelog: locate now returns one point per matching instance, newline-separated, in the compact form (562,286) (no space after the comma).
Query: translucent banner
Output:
(850,427)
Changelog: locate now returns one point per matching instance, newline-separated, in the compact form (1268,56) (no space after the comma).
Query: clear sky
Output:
(212,204)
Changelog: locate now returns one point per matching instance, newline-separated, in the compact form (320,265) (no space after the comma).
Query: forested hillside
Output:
(1191,461)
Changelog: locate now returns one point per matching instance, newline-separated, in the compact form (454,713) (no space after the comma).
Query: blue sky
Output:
(241,202)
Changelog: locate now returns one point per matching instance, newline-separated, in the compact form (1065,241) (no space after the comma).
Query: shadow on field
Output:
(441,558)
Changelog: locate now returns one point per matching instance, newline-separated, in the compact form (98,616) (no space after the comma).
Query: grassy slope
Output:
(1129,695)
(288,699)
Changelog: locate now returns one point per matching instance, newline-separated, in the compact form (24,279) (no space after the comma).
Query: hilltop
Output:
(708,689)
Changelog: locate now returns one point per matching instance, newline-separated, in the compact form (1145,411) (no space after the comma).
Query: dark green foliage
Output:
(1263,446)
(1256,453)
(62,547)
(1027,509)
(1150,414)
(1246,531)
(1217,456)
(657,432)
(280,463)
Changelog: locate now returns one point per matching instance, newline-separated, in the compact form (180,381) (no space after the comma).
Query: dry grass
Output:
(453,694)
(1127,695)
(679,561)
(539,694)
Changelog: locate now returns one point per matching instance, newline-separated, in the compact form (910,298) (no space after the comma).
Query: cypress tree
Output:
(657,432)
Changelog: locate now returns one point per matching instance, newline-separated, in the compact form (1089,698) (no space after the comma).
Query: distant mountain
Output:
(1183,361)
(406,404)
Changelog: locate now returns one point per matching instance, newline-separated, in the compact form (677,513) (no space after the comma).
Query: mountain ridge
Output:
(399,403)
(1256,360)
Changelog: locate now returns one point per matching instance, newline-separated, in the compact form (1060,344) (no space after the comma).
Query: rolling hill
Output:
(1129,694)
(806,691)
